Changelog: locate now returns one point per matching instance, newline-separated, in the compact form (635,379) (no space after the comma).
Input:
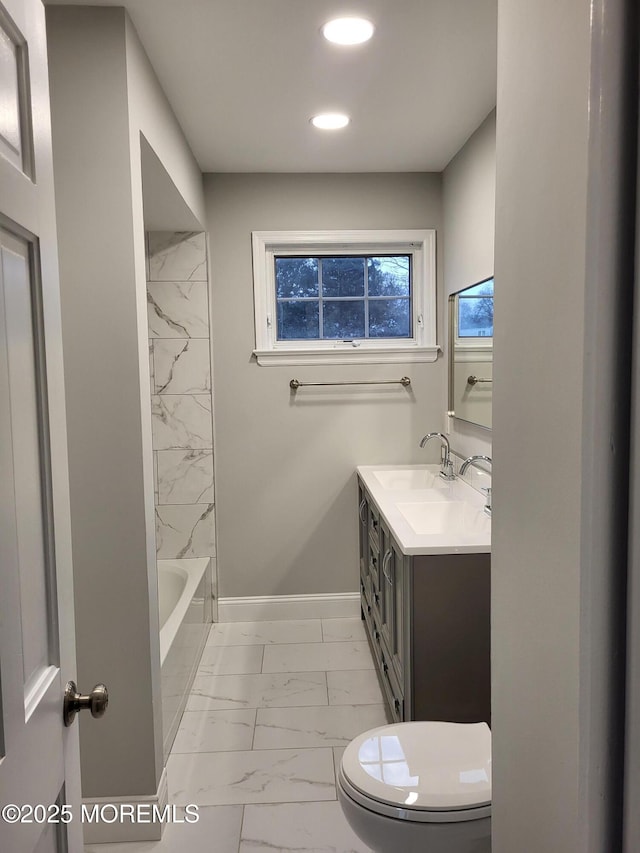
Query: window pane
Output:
(389,276)
(296,277)
(298,320)
(343,276)
(343,320)
(475,317)
(390,318)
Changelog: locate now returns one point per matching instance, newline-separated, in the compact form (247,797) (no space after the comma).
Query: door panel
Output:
(38,756)
(24,381)
(16,138)
(31,679)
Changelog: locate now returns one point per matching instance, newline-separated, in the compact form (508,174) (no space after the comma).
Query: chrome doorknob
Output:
(96,702)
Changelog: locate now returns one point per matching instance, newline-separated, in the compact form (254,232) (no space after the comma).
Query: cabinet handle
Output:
(396,705)
(376,597)
(374,523)
(376,634)
(385,563)
(363,504)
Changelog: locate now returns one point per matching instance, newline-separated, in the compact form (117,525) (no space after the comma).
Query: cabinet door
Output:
(373,550)
(363,525)
(387,609)
(375,579)
(394,567)
(399,565)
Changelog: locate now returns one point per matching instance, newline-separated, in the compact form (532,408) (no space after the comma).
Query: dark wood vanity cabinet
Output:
(428,624)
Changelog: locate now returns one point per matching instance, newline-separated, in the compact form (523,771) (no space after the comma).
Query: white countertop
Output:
(456,521)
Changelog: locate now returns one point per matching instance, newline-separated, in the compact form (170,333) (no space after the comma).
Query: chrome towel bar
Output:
(295,383)
(473,380)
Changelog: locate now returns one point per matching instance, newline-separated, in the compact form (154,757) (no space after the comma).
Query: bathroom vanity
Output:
(425,587)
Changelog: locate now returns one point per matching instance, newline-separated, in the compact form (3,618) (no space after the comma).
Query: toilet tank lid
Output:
(422,765)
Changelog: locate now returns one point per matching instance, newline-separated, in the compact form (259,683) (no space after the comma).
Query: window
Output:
(344,297)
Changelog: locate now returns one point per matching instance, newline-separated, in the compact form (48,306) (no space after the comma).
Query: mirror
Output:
(471,353)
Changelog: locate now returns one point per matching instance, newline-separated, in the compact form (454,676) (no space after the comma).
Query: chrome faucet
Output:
(472,461)
(446,465)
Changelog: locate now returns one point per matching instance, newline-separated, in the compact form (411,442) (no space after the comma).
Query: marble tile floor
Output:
(271,710)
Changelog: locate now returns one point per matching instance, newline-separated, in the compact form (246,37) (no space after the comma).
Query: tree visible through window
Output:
(343,298)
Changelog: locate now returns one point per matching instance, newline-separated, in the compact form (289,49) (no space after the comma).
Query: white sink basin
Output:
(401,479)
(425,513)
(437,518)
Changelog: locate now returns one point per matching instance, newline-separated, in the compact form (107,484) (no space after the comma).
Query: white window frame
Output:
(420,244)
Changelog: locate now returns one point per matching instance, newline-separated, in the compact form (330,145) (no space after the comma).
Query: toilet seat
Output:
(432,772)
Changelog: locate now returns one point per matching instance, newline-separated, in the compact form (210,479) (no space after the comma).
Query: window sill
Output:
(353,355)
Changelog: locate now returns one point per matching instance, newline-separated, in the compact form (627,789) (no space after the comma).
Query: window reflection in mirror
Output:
(475,311)
(471,353)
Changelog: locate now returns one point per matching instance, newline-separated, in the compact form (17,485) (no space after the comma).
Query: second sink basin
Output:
(400,479)
(442,517)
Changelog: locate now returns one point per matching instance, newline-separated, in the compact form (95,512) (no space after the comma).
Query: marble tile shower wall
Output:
(181,402)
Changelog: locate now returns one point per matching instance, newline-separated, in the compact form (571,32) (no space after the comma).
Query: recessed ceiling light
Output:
(330,121)
(348,30)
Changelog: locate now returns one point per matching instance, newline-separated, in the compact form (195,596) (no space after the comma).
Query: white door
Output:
(39,761)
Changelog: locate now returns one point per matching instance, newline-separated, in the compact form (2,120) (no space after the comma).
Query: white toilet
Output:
(422,787)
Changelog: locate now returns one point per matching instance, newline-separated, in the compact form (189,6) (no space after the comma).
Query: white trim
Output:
(472,356)
(473,344)
(261,608)
(103,833)
(422,347)
(348,356)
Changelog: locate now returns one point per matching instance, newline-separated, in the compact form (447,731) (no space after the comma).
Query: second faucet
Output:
(446,465)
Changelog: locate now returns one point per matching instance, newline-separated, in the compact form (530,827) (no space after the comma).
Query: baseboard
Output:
(104,831)
(260,608)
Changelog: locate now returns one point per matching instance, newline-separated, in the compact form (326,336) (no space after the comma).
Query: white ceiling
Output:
(245,76)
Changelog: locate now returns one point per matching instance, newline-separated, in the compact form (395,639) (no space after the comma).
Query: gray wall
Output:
(285,483)
(468,199)
(559,430)
(103,97)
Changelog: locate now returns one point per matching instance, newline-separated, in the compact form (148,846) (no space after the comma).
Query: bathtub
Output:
(184,603)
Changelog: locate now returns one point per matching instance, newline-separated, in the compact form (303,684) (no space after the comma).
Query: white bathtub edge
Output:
(195,568)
